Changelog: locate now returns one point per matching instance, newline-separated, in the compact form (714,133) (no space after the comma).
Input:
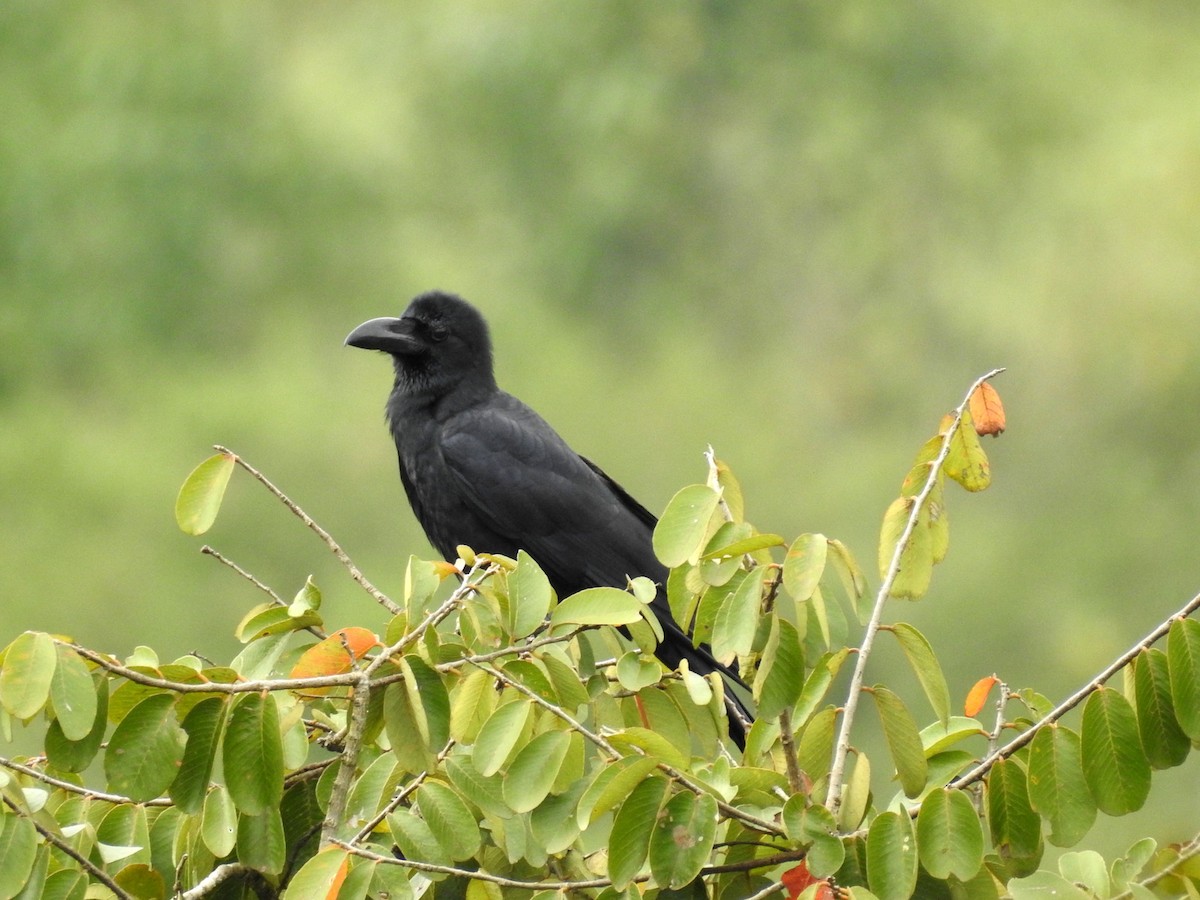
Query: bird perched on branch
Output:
(483,469)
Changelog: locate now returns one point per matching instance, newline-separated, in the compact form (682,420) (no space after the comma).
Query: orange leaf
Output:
(987,411)
(977,696)
(336,884)
(330,656)
(796,880)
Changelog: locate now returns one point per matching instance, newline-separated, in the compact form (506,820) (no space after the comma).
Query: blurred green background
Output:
(796,231)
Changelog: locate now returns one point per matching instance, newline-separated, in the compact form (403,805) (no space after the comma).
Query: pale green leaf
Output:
(682,531)
(200,497)
(145,750)
(27,674)
(72,694)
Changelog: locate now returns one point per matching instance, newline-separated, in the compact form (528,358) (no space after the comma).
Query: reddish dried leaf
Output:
(978,694)
(796,880)
(330,656)
(987,411)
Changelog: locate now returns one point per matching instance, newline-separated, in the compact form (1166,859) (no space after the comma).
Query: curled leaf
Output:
(987,411)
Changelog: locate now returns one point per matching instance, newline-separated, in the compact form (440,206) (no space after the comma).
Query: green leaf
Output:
(1116,768)
(1016,830)
(407,729)
(635,671)
(203,725)
(949,836)
(629,841)
(200,496)
(856,795)
(816,743)
(253,754)
(916,561)
(499,735)
(145,750)
(126,825)
(18,852)
(683,838)
(598,606)
(534,770)
(611,785)
(72,694)
(27,674)
(780,677)
(319,875)
(449,819)
(75,756)
(473,699)
(1057,788)
(307,599)
(260,841)
(1043,885)
(1164,742)
(804,565)
(814,826)
(529,596)
(486,793)
(966,462)
(750,544)
(415,839)
(891,857)
(218,823)
(738,617)
(682,531)
(652,743)
(1183,657)
(267,619)
(903,740)
(925,666)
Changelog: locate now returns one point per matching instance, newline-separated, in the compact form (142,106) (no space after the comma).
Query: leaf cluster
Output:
(487,738)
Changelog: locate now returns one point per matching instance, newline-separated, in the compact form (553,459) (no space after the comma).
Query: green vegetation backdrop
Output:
(795,231)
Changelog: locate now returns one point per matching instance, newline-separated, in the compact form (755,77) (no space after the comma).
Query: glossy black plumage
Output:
(483,469)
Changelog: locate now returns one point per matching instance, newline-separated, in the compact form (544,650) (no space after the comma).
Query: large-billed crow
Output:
(483,469)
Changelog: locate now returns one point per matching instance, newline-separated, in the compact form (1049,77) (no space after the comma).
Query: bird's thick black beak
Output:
(390,335)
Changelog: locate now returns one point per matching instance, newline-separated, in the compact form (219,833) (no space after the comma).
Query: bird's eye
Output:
(438,332)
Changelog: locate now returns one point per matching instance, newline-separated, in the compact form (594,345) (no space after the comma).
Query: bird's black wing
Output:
(524,487)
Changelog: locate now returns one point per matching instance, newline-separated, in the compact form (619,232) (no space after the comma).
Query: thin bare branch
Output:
(316,529)
(86,864)
(1075,699)
(842,745)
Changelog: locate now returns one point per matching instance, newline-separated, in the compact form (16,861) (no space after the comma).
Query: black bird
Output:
(483,469)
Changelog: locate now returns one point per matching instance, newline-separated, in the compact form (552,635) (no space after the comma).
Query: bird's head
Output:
(440,342)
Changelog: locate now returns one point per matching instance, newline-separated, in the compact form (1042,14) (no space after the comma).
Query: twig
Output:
(88,866)
(854,692)
(399,797)
(767,891)
(335,812)
(213,687)
(225,561)
(215,878)
(682,778)
(790,757)
(76,789)
(1186,852)
(476,874)
(1075,699)
(266,589)
(316,529)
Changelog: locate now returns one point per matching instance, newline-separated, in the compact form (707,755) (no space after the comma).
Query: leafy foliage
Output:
(490,738)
